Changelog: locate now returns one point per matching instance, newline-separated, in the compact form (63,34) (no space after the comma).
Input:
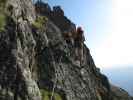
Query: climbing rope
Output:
(55,82)
(56,76)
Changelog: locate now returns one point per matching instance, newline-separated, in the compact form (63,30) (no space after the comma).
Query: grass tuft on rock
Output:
(46,95)
(40,22)
(2,22)
(2,4)
(2,14)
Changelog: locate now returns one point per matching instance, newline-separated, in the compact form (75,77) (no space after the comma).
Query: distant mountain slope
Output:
(121,76)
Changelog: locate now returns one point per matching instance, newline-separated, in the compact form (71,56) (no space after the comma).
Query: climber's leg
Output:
(76,54)
(81,54)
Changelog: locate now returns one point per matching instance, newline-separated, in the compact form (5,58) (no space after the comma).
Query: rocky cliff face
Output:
(36,62)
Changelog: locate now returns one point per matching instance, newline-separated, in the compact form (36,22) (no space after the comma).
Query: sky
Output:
(108,28)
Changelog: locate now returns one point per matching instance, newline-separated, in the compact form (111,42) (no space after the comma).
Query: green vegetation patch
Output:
(46,95)
(2,14)
(2,22)
(2,4)
(40,22)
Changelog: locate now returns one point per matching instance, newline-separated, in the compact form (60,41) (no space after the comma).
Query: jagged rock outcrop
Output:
(17,53)
(56,16)
(36,62)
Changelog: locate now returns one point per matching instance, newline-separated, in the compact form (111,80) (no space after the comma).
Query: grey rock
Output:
(33,59)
